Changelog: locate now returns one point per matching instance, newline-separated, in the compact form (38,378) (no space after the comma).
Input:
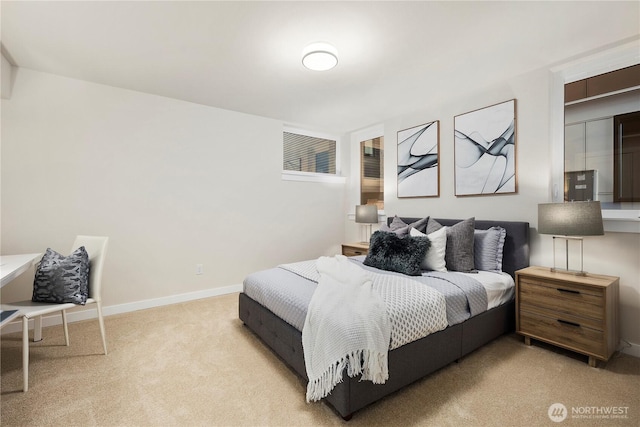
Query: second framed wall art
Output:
(418,161)
(485,150)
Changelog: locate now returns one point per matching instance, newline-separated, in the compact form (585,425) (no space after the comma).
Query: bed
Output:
(411,361)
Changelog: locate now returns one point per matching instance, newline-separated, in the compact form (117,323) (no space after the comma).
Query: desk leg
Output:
(37,329)
(25,354)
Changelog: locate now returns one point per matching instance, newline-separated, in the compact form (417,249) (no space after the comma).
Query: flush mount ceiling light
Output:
(319,56)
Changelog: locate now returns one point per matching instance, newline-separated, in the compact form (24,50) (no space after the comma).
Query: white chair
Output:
(96,247)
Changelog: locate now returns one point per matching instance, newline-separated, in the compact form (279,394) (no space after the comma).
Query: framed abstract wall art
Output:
(418,161)
(485,150)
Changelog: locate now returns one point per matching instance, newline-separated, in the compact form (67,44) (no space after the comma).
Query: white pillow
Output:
(434,259)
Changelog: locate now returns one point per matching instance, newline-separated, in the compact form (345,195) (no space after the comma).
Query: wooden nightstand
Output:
(579,313)
(354,249)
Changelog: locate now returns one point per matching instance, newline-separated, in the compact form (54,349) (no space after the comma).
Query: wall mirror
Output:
(620,217)
(602,139)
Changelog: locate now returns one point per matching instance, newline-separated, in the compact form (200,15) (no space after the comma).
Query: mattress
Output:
(287,294)
(500,287)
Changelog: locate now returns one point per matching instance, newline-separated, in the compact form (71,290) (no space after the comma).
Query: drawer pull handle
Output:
(570,291)
(357,252)
(564,322)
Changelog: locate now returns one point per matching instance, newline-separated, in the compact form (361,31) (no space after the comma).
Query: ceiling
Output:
(246,56)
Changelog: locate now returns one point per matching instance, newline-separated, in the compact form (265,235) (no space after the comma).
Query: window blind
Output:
(305,153)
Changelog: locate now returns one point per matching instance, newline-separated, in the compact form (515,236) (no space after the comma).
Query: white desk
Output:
(11,266)
(7,316)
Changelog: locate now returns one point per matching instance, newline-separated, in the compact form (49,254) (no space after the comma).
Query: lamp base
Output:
(368,230)
(564,271)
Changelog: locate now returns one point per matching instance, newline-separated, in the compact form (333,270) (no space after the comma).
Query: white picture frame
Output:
(485,150)
(418,163)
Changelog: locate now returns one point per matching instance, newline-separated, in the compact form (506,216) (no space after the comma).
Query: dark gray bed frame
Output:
(412,361)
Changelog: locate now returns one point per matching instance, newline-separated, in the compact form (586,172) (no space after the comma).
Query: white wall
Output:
(173,184)
(616,254)
(6,78)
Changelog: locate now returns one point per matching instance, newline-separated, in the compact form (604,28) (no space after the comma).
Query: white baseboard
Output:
(76,316)
(631,349)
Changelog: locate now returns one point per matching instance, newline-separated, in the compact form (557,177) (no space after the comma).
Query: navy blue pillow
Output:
(390,252)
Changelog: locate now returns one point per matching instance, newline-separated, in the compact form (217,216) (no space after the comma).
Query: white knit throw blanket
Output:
(346,327)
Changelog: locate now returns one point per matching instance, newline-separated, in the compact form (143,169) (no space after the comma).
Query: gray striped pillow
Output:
(488,247)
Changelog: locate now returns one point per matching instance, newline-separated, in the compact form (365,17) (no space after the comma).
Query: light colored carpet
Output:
(195,364)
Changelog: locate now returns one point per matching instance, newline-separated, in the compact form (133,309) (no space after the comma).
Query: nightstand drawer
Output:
(563,298)
(597,324)
(557,331)
(351,251)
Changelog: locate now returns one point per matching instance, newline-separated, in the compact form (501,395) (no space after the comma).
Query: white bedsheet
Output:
(500,286)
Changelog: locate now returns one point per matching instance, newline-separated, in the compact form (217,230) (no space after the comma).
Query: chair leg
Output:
(25,353)
(101,322)
(37,329)
(66,327)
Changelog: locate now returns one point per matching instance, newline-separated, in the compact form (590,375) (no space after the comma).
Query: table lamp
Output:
(367,214)
(570,221)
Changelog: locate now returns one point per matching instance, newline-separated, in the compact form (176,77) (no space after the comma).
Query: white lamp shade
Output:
(320,56)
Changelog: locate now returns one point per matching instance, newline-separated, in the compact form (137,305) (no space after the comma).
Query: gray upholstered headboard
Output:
(516,245)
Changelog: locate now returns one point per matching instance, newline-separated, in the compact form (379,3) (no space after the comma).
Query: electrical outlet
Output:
(199,269)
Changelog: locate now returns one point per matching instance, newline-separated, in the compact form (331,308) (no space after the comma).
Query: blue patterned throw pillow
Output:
(61,279)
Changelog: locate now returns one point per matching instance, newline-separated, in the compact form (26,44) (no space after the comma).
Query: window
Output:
(372,172)
(303,153)
(309,157)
